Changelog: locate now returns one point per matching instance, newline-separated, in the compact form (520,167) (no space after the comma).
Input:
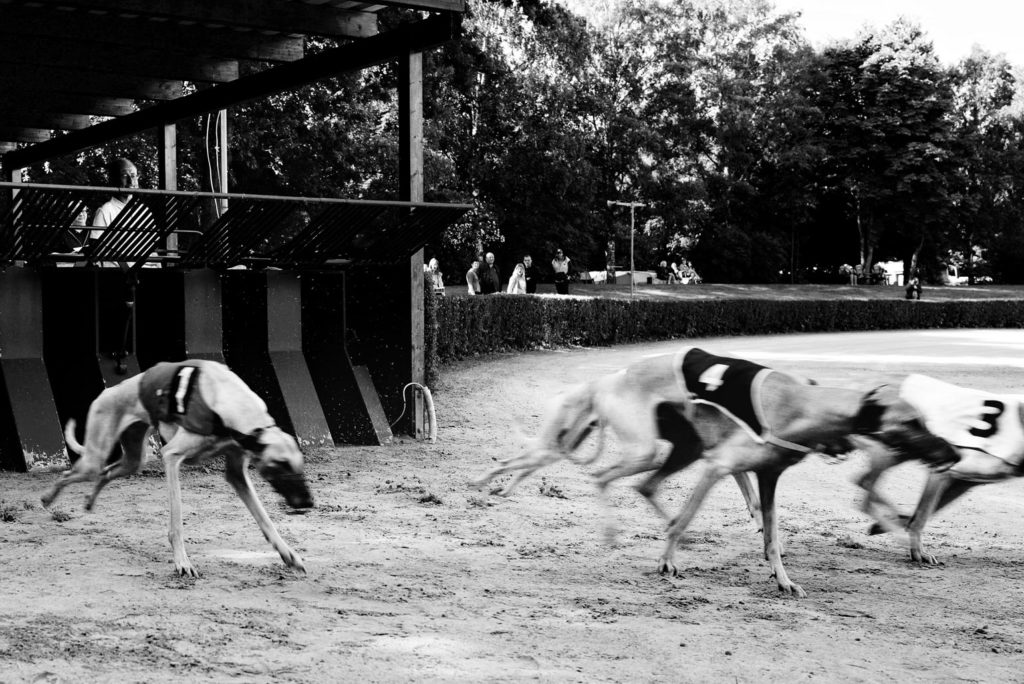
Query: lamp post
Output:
(632,223)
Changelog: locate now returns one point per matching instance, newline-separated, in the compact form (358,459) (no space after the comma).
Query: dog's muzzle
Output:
(291,486)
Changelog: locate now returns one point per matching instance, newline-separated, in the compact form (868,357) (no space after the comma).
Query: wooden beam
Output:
(86,82)
(125,34)
(33,135)
(360,54)
(159,61)
(32,100)
(430,5)
(45,120)
(277,17)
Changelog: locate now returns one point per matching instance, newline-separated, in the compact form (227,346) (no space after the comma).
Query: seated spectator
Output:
(676,274)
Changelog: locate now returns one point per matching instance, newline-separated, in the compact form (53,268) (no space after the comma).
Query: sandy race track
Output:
(413,576)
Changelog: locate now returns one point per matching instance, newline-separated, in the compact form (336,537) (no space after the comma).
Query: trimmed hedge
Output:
(461,327)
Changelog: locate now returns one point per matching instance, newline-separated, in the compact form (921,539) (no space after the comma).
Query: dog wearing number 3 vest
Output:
(985,430)
(197,409)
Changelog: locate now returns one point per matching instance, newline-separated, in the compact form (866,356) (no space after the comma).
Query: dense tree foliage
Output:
(753,155)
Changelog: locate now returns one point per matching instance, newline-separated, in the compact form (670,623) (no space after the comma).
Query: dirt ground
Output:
(413,576)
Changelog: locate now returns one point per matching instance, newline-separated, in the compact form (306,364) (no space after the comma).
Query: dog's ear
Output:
(869,417)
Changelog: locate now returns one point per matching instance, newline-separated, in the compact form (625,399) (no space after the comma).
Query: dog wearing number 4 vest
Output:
(197,409)
(733,416)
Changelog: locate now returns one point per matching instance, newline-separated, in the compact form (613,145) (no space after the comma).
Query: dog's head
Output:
(280,463)
(891,420)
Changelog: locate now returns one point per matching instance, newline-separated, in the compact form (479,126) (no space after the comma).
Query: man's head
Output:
(490,258)
(527,260)
(121,173)
(475,266)
(558,254)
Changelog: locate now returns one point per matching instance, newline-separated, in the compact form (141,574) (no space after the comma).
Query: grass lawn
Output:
(709,291)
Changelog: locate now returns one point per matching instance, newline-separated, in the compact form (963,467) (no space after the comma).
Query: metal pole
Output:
(632,232)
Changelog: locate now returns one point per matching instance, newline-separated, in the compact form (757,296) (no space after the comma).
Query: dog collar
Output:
(251,441)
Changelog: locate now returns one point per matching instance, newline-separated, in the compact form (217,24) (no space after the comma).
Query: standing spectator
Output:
(517,283)
(436,277)
(914,288)
(532,274)
(661,273)
(490,279)
(472,279)
(560,265)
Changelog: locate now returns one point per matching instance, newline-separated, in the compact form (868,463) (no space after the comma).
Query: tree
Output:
(887,138)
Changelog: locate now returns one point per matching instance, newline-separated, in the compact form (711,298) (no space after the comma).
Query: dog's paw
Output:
(667,567)
(923,558)
(793,590)
(186,569)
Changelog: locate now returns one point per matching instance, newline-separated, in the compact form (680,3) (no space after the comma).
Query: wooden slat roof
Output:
(64,61)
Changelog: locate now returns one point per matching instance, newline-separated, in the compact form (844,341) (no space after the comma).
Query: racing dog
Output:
(642,404)
(738,415)
(779,420)
(197,408)
(985,432)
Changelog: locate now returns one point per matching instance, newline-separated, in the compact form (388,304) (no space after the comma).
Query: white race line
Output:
(1011,361)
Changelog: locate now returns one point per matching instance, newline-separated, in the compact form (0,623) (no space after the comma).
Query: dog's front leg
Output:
(939,490)
(173,455)
(237,474)
(880,459)
(766,483)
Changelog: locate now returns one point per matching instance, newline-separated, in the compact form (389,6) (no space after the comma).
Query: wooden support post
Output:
(410,130)
(222,157)
(168,163)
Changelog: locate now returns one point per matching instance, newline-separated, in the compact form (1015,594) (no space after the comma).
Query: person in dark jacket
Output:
(532,275)
(490,279)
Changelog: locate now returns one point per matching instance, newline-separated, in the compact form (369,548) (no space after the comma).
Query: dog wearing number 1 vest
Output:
(197,409)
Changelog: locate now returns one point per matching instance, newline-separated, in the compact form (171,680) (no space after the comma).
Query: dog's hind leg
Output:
(526,464)
(750,497)
(687,447)
(237,474)
(766,484)
(641,464)
(133,442)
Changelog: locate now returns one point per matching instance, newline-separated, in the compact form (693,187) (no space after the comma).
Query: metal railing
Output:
(42,224)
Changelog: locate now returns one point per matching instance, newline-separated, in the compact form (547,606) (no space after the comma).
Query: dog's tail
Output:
(69,437)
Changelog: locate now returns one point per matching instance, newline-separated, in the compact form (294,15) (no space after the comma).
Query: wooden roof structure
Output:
(92,71)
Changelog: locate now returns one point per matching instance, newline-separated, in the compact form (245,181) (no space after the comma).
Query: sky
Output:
(954,26)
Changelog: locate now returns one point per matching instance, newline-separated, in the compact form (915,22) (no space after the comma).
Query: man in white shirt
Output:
(122,174)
